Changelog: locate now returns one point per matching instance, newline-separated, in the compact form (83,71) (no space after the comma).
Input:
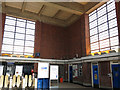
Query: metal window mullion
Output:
(25,37)
(108,27)
(98,30)
(14,36)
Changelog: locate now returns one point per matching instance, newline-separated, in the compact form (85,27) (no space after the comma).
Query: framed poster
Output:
(75,71)
(53,72)
(18,70)
(43,70)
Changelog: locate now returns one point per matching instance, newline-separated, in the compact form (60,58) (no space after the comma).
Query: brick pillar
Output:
(117,4)
(2,23)
(85,35)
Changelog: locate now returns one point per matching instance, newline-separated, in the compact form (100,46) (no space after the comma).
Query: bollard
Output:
(10,84)
(1,81)
(6,82)
(30,81)
(26,79)
(14,81)
(35,83)
(18,81)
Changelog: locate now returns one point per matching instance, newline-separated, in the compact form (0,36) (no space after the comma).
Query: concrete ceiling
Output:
(56,13)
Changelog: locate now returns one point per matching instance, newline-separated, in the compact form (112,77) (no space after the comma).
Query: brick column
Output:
(85,35)
(2,23)
(117,4)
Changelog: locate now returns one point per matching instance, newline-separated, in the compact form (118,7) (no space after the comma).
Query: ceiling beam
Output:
(3,4)
(56,13)
(33,16)
(23,6)
(41,10)
(71,7)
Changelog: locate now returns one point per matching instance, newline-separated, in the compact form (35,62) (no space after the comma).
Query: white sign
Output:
(18,70)
(1,70)
(53,72)
(43,70)
(75,73)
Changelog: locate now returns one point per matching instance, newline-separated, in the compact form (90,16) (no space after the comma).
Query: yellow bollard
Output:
(6,82)
(18,81)
(14,81)
(30,81)
(1,81)
(26,79)
(35,83)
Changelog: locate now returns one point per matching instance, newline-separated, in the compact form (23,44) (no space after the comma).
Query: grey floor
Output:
(72,85)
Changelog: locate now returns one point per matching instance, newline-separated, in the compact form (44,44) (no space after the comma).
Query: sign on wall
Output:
(43,70)
(53,72)
(18,70)
(1,70)
(75,71)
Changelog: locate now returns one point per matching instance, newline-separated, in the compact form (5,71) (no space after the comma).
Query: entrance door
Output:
(95,76)
(70,74)
(116,75)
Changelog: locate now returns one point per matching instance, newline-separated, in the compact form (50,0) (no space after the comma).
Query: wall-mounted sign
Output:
(75,71)
(18,70)
(53,72)
(43,70)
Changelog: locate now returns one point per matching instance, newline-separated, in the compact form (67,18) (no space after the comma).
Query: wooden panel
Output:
(14,4)
(33,6)
(49,11)
(63,15)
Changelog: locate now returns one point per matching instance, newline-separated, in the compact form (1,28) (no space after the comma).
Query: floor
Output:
(72,85)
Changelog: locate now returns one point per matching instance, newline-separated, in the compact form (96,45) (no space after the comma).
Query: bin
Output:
(40,84)
(45,83)
(61,80)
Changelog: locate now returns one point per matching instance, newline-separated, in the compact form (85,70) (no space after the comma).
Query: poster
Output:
(75,71)
(43,70)
(1,70)
(18,70)
(53,72)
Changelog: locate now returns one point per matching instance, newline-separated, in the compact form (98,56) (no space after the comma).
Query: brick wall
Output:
(2,22)
(50,41)
(104,70)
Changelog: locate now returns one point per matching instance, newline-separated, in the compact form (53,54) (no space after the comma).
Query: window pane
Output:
(29,50)
(114,41)
(93,17)
(20,24)
(94,46)
(114,32)
(102,19)
(8,52)
(94,38)
(111,15)
(19,42)
(94,51)
(21,20)
(103,35)
(20,30)
(18,49)
(28,53)
(28,31)
(30,37)
(8,41)
(113,23)
(104,43)
(9,34)
(93,31)
(92,13)
(31,26)
(103,27)
(104,49)
(93,24)
(19,53)
(10,22)
(111,7)
(31,22)
(7,47)
(115,48)
(29,43)
(9,28)
(8,17)
(19,36)
(101,12)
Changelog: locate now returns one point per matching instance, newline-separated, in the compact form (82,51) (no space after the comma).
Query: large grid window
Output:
(18,36)
(103,28)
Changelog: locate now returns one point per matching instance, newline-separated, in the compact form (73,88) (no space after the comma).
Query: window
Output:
(103,28)
(18,36)
(80,70)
